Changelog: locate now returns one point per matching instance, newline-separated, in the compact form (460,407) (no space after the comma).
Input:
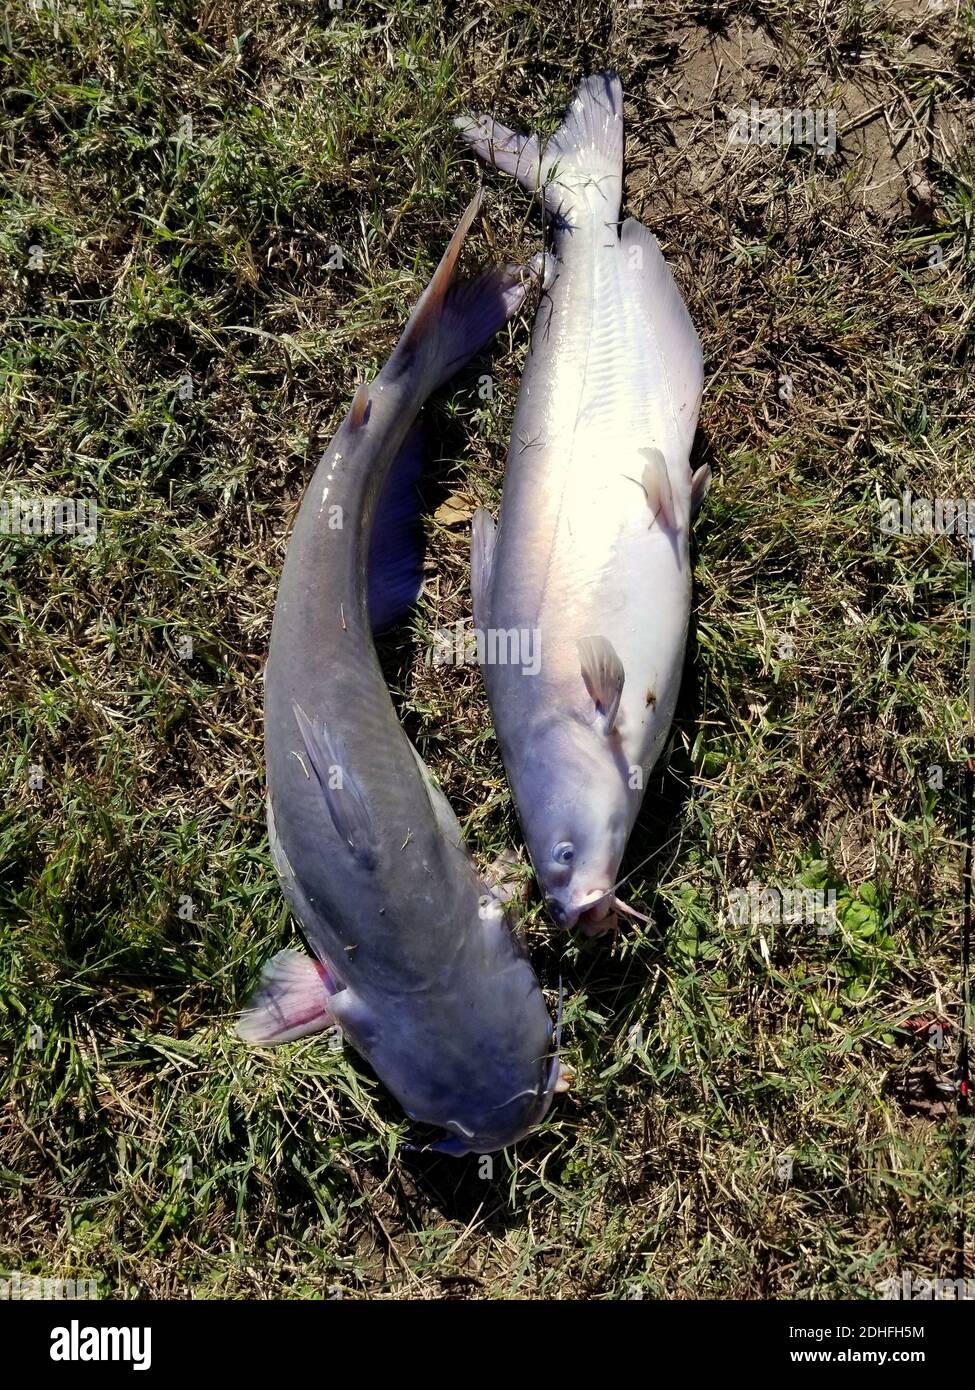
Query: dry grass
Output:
(823,681)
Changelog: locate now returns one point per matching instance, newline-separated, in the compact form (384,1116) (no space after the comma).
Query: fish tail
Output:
(580,169)
(453,322)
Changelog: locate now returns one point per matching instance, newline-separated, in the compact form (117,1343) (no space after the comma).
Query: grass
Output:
(236,204)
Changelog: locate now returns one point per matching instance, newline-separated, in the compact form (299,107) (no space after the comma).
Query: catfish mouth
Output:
(461,1141)
(591,914)
(598,919)
(595,913)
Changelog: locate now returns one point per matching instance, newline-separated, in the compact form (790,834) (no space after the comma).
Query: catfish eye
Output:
(564,852)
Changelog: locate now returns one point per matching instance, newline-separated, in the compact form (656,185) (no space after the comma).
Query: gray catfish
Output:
(591,554)
(413,958)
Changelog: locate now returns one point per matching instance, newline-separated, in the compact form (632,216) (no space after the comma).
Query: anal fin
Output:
(668,324)
(484,534)
(396,544)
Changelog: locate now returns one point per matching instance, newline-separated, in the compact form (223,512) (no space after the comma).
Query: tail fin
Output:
(580,169)
(453,322)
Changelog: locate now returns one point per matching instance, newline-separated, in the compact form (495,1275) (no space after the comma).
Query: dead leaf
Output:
(454,510)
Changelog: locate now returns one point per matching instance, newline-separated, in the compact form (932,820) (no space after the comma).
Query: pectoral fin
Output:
(655,482)
(345,802)
(292,1000)
(503,879)
(603,674)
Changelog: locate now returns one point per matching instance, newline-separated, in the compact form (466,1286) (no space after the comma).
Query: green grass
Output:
(188,171)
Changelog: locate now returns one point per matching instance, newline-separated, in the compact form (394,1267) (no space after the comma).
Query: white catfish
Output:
(589,566)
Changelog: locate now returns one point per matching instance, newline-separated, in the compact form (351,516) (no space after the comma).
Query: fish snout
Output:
(592,909)
(511,1121)
(592,925)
